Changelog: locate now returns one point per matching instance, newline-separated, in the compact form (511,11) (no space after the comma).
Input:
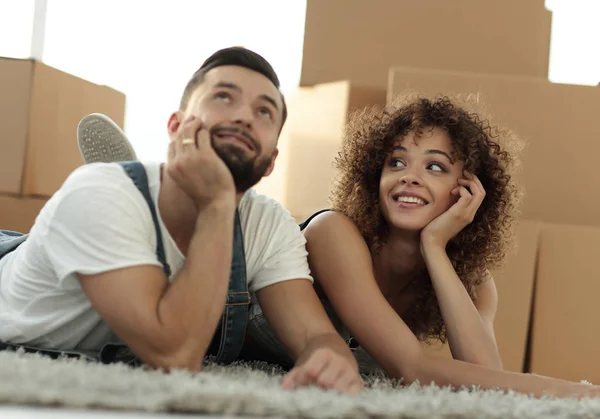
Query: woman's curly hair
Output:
(490,152)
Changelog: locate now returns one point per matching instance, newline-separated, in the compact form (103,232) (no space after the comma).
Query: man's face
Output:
(243,111)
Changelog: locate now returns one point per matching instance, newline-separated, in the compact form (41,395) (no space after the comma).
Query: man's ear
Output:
(175,121)
(272,165)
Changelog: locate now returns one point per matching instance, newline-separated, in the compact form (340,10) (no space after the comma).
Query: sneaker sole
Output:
(101,140)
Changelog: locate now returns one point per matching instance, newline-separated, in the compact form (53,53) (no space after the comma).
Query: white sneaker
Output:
(101,140)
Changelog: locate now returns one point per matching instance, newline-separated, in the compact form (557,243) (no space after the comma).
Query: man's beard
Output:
(246,171)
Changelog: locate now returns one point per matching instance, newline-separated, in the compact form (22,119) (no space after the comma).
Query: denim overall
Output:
(229,337)
(270,349)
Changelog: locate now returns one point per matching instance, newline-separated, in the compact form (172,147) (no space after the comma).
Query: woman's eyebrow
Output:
(443,153)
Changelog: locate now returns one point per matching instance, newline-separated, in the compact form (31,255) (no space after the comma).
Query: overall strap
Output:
(136,171)
(235,316)
(10,240)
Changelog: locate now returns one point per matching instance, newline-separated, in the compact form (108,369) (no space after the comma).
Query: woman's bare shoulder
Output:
(332,223)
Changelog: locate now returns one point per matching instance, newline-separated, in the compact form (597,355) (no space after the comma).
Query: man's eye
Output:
(222,95)
(266,112)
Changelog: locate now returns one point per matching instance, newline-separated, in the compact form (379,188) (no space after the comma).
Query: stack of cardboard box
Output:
(40,108)
(350,47)
(561,192)
(500,51)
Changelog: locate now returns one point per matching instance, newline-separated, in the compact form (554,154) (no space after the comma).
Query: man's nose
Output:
(243,115)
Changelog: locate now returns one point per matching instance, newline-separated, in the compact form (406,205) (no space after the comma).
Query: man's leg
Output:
(101,140)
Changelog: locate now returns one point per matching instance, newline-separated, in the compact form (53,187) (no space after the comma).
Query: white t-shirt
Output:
(99,221)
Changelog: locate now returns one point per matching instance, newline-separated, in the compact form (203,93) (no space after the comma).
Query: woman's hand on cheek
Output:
(446,226)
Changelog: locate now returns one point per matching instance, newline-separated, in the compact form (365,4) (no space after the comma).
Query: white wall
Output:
(575,43)
(150,52)
(16,24)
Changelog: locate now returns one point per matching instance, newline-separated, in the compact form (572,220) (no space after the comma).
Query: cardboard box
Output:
(40,108)
(514,283)
(515,286)
(310,141)
(360,40)
(19,214)
(565,342)
(558,122)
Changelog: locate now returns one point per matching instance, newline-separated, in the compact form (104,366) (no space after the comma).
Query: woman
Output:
(422,210)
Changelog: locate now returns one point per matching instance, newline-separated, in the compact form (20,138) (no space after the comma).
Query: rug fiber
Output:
(252,390)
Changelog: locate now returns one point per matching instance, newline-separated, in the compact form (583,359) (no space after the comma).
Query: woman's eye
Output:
(436,167)
(397,163)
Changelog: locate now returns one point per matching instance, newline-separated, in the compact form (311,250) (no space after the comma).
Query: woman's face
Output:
(417,179)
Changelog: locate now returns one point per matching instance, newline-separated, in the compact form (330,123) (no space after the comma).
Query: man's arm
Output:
(300,322)
(283,286)
(171,325)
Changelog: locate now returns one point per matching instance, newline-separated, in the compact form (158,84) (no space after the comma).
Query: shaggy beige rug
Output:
(251,390)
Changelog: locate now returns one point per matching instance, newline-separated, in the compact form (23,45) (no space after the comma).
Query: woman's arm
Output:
(470,327)
(341,262)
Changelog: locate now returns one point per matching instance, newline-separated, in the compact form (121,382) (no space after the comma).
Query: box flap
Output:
(15,84)
(565,343)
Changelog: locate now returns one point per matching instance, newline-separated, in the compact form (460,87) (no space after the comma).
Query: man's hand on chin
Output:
(326,368)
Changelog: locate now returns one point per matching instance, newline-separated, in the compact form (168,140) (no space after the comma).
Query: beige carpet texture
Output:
(252,390)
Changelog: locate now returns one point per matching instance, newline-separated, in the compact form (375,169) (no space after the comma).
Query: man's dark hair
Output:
(233,56)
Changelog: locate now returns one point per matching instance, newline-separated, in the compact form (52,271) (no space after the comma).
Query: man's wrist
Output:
(224,203)
(331,341)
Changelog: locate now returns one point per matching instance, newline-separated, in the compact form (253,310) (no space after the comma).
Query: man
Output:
(88,274)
